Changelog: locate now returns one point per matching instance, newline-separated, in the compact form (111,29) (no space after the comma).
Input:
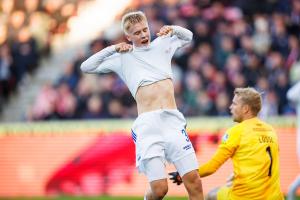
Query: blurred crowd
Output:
(237,43)
(26,31)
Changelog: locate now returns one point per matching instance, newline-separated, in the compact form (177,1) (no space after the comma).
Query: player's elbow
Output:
(84,67)
(293,93)
(291,96)
(190,36)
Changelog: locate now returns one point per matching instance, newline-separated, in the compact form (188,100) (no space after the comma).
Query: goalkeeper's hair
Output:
(251,97)
(132,18)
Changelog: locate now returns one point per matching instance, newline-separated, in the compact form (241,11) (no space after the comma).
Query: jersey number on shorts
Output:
(268,149)
(185,135)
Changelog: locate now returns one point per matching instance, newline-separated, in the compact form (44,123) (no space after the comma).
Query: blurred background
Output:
(66,133)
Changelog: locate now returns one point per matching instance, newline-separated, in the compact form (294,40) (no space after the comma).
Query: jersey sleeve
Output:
(230,142)
(181,36)
(105,61)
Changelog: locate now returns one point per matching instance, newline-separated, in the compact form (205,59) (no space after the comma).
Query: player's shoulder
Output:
(237,128)
(264,124)
(232,132)
(164,38)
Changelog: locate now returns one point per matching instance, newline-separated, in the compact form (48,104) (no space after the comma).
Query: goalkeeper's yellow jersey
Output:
(253,147)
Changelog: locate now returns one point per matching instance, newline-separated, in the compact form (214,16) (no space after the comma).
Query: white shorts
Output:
(155,167)
(161,133)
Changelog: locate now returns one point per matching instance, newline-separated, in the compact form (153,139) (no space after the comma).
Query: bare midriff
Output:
(159,95)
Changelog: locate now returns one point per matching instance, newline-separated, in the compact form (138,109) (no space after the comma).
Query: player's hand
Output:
(165,30)
(123,47)
(175,177)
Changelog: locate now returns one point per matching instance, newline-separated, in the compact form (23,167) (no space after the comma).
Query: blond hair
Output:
(132,18)
(250,97)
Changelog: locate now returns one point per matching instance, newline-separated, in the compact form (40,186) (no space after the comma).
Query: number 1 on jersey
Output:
(268,149)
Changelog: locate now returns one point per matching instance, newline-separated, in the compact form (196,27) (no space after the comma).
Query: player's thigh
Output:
(155,168)
(156,174)
(212,194)
(218,193)
(187,164)
(223,193)
(188,170)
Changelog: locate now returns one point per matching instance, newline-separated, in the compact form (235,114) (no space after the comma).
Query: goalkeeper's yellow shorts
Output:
(223,193)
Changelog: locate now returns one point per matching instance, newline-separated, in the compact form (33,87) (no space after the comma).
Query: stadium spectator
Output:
(253,146)
(26,32)
(94,108)
(5,71)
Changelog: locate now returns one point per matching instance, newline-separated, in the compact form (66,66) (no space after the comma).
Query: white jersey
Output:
(141,66)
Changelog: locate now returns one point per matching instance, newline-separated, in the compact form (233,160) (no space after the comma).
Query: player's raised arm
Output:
(183,34)
(105,61)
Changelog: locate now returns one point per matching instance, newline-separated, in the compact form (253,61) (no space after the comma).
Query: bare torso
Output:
(159,95)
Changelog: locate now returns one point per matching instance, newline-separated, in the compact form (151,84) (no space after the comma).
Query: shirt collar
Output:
(142,48)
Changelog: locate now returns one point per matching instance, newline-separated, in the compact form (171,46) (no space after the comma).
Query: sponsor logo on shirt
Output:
(225,137)
(187,147)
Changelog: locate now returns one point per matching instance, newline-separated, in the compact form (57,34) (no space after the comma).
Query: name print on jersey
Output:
(265,139)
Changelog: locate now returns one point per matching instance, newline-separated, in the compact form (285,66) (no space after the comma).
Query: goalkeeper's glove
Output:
(175,177)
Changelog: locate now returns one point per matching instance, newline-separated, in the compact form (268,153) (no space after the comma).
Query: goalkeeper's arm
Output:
(208,168)
(215,162)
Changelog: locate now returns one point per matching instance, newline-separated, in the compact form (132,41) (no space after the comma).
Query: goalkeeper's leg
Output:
(212,195)
(293,189)
(219,193)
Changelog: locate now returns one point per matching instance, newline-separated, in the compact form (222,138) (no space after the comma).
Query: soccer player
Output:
(253,147)
(159,130)
(293,95)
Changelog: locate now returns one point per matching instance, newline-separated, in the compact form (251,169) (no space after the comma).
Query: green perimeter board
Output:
(205,124)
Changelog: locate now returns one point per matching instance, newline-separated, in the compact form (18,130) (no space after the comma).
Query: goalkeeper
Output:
(253,147)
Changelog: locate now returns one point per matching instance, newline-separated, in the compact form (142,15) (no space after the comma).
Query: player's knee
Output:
(197,185)
(193,179)
(160,192)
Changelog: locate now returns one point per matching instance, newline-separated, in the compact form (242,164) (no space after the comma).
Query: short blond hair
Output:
(132,18)
(250,97)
